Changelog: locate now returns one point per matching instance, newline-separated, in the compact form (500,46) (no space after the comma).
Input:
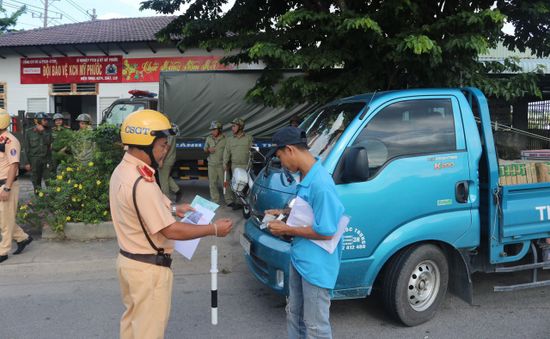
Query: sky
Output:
(71,11)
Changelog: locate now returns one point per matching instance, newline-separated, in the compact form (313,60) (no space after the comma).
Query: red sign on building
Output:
(148,69)
(101,69)
(84,69)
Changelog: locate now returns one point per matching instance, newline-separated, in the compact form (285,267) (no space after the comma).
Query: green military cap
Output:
(238,121)
(57,116)
(41,116)
(84,117)
(215,125)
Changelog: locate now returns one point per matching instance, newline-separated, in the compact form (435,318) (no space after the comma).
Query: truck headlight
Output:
(280,275)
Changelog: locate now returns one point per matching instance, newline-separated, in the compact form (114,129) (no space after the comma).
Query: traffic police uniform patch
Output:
(146,173)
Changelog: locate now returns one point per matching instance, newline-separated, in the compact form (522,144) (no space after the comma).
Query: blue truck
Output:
(417,172)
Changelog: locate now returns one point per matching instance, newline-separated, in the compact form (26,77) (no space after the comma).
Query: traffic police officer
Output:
(214,146)
(145,227)
(83,145)
(37,145)
(10,150)
(236,154)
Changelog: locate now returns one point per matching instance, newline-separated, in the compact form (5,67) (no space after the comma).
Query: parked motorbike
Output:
(242,180)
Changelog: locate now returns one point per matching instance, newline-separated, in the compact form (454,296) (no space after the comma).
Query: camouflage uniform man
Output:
(166,182)
(60,138)
(236,154)
(83,146)
(214,146)
(37,145)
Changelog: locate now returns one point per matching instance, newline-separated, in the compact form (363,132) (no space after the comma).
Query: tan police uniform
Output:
(146,288)
(8,209)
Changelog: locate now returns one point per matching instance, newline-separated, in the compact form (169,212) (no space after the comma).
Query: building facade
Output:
(83,67)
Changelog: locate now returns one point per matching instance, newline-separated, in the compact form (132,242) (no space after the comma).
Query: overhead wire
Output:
(18,7)
(29,5)
(77,6)
(65,14)
(36,10)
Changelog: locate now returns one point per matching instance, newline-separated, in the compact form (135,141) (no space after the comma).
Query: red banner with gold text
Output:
(148,69)
(84,69)
(106,69)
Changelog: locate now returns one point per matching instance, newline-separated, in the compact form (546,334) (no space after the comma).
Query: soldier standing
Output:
(214,146)
(236,155)
(145,227)
(60,138)
(166,182)
(10,150)
(37,145)
(83,146)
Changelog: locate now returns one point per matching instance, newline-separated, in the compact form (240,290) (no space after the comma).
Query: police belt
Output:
(3,181)
(163,260)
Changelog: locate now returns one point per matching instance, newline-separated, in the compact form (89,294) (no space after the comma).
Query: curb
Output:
(82,232)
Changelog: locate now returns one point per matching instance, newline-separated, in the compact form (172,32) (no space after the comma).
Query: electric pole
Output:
(92,15)
(45,15)
(46,2)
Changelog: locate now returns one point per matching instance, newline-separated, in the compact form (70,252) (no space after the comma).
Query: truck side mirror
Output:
(356,165)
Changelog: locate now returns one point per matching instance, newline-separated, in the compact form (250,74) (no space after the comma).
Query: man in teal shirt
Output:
(313,270)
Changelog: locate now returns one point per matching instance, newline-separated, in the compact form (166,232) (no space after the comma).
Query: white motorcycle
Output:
(242,180)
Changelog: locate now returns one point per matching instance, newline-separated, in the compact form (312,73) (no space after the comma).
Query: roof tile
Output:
(89,32)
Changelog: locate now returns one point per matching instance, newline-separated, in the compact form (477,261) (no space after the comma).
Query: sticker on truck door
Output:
(354,239)
(444,202)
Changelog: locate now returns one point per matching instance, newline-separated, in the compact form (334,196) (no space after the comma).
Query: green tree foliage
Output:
(8,21)
(347,47)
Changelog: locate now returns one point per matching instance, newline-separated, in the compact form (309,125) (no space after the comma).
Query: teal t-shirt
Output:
(315,265)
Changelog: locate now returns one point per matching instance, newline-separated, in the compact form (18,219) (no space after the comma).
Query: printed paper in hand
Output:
(301,215)
(267,218)
(203,214)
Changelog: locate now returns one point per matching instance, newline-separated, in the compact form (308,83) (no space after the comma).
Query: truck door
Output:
(417,187)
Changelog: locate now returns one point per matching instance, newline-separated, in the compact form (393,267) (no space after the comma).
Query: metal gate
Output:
(538,122)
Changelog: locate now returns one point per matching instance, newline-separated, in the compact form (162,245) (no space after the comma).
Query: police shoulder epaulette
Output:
(5,140)
(146,173)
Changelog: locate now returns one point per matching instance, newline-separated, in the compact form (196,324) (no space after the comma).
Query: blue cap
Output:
(287,136)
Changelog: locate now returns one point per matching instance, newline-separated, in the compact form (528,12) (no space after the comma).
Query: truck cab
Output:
(419,181)
(121,108)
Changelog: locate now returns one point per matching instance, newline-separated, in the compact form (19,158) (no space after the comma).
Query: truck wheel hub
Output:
(423,286)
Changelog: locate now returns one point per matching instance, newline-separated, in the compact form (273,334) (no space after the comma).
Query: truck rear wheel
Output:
(415,284)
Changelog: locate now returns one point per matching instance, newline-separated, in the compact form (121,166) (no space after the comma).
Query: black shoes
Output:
(231,204)
(3,258)
(22,244)
(236,207)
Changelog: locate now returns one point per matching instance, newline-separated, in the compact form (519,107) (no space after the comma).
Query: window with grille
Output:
(3,95)
(74,89)
(37,105)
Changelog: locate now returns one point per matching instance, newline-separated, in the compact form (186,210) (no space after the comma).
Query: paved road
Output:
(70,290)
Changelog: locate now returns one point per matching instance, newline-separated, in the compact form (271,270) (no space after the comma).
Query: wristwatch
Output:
(174,209)
(7,189)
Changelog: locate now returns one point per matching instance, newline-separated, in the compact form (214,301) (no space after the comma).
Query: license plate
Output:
(245,243)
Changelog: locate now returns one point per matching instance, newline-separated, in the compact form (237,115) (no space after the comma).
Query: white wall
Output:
(18,94)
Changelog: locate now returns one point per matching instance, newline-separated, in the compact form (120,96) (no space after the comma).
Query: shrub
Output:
(80,191)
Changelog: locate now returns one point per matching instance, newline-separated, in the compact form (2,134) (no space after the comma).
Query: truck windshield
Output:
(325,126)
(120,111)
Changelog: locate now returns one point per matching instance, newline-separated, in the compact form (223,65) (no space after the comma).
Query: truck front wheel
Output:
(415,284)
